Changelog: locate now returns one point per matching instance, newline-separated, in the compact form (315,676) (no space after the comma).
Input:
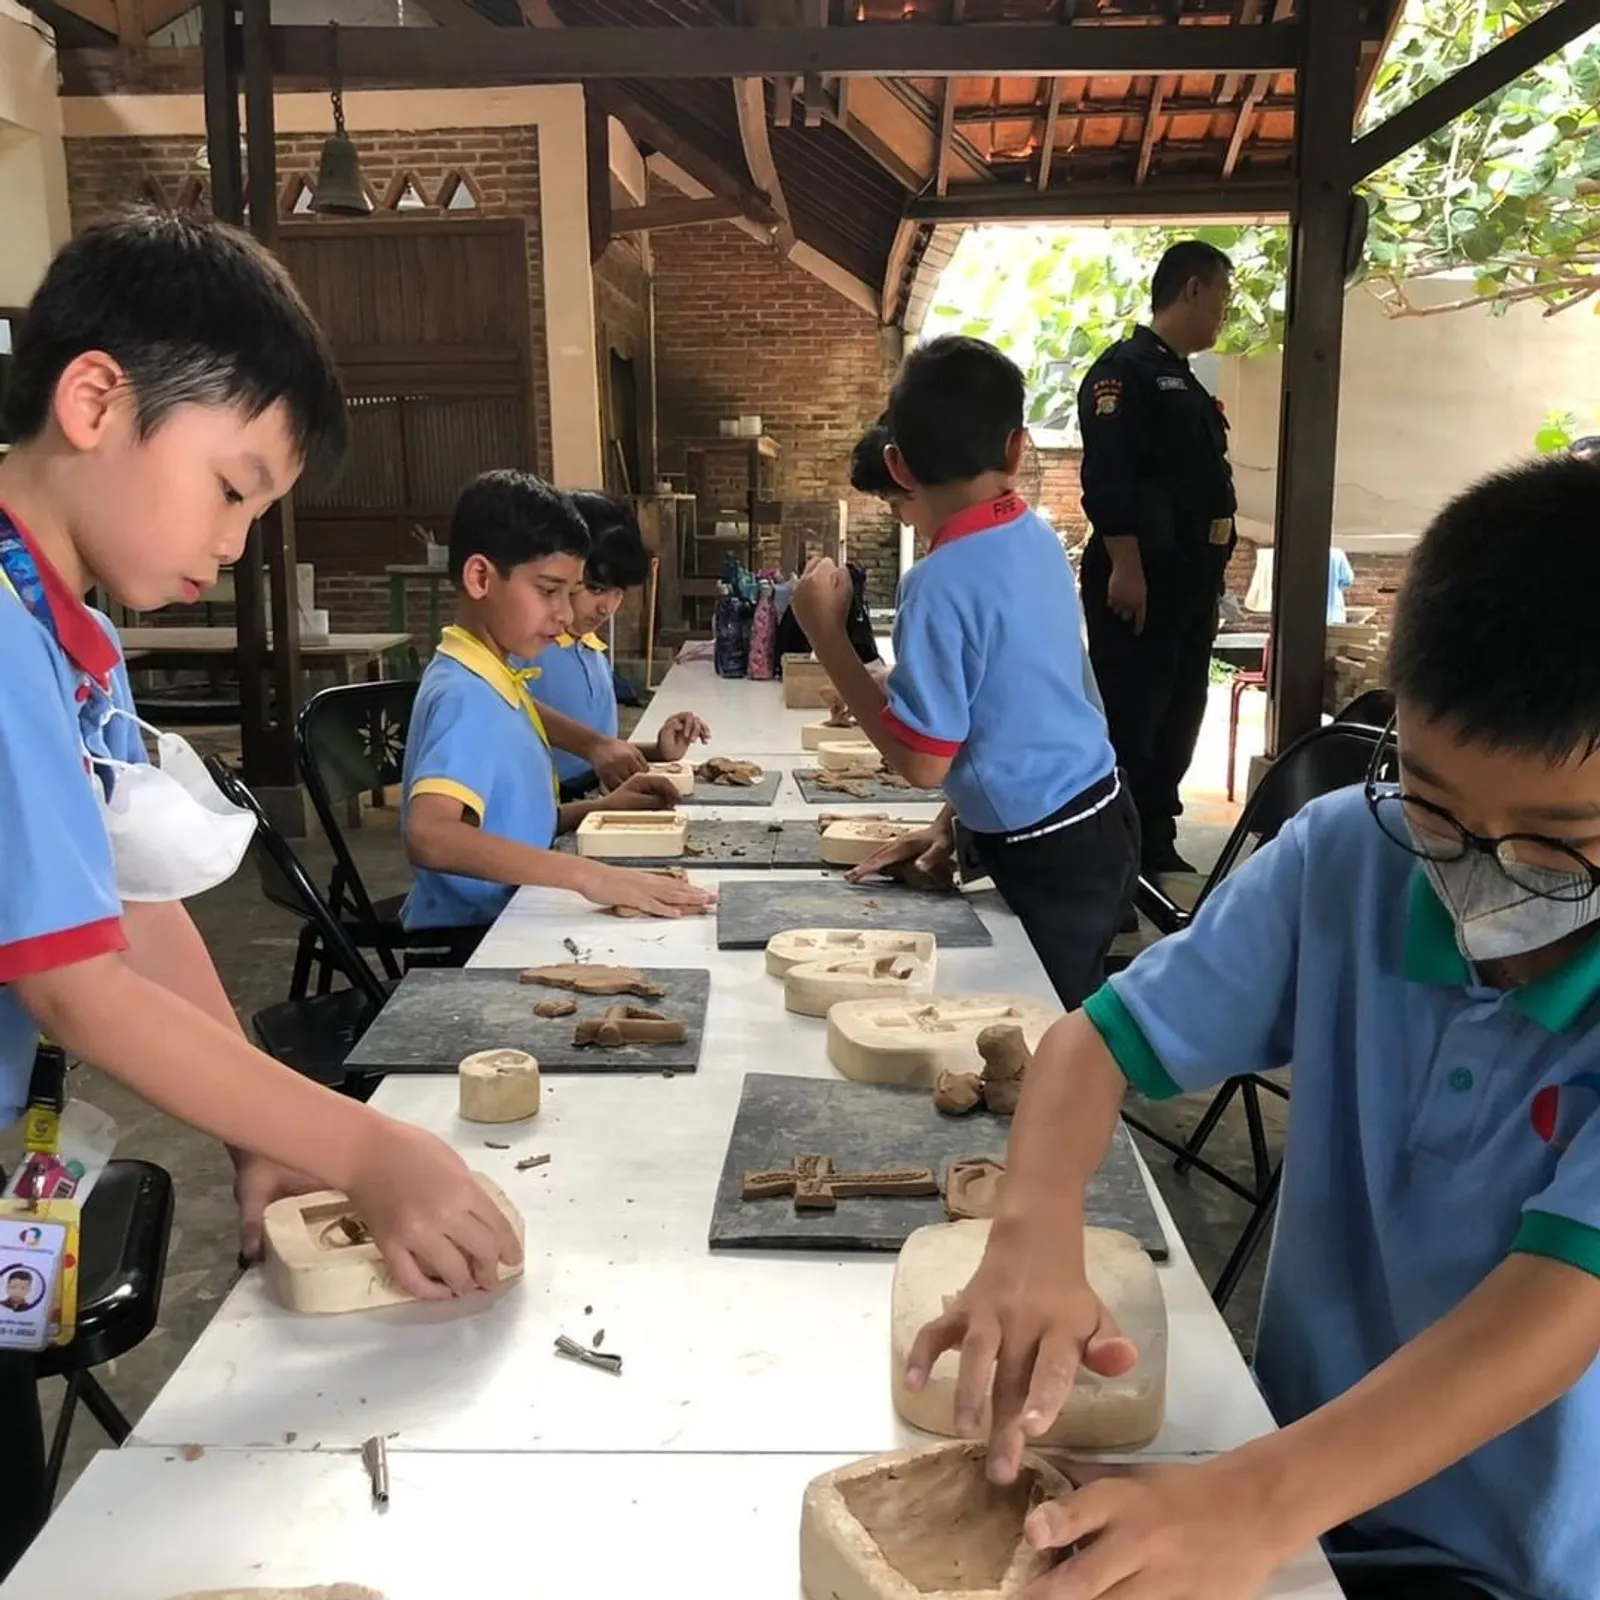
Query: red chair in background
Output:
(1242,683)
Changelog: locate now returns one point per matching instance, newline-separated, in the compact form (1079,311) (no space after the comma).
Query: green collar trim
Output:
(1432,956)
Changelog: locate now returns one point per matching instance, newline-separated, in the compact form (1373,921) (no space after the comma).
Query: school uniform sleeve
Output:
(452,755)
(1112,420)
(58,901)
(1562,1222)
(931,685)
(1217,1000)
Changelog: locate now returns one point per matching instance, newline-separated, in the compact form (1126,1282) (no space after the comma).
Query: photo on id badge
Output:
(31,1256)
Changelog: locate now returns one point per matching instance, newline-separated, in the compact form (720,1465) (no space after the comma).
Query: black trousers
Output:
(22,1501)
(1365,1582)
(1154,683)
(1068,887)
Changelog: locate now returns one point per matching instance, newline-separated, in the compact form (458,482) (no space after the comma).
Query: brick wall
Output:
(740,332)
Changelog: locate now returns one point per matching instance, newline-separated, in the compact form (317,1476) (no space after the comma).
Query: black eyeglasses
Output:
(1535,864)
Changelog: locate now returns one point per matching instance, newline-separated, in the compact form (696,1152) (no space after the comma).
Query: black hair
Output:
(1494,627)
(195,313)
(954,410)
(509,517)
(21,1275)
(618,555)
(1183,262)
(869,472)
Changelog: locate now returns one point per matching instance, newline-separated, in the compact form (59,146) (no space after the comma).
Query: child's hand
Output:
(928,849)
(438,1230)
(678,732)
(615,761)
(821,599)
(644,791)
(655,894)
(258,1182)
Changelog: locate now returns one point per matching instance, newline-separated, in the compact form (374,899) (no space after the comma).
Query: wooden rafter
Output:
(1150,202)
(750,97)
(1124,106)
(1047,140)
(672,214)
(947,113)
(457,14)
(1152,123)
(905,239)
(1260,83)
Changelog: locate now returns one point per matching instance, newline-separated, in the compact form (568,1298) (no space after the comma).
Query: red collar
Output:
(86,643)
(979,519)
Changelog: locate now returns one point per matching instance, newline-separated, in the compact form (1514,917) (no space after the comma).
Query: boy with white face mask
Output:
(168,385)
(1426,956)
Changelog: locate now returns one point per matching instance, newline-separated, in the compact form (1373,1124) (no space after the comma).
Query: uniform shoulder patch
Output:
(1107,396)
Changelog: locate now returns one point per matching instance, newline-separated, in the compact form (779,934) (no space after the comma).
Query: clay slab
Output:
(786,950)
(1103,1413)
(884,1041)
(680,772)
(654,835)
(923,1525)
(813,988)
(849,843)
(313,1265)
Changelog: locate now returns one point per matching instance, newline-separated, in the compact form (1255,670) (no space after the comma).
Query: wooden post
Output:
(1330,39)
(597,158)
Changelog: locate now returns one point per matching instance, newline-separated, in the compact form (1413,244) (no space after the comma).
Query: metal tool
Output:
(604,1360)
(375,1458)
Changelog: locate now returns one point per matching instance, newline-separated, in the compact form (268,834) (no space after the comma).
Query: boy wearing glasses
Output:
(1424,955)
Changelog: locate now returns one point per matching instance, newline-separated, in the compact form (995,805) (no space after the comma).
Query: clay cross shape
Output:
(817,1185)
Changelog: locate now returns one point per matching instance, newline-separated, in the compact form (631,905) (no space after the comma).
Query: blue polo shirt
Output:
(58,899)
(1437,1126)
(989,669)
(476,737)
(575,679)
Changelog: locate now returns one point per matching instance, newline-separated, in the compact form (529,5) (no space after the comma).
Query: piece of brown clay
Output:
(913,875)
(555,1008)
(625,1024)
(1006,1058)
(1002,1098)
(582,978)
(818,1186)
(972,1189)
(859,785)
(728,772)
(957,1093)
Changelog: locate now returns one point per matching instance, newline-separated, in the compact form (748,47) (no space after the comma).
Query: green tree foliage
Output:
(1505,201)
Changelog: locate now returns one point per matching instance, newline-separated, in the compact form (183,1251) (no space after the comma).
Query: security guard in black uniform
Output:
(1158,494)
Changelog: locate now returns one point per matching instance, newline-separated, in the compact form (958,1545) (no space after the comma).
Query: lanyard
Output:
(21,576)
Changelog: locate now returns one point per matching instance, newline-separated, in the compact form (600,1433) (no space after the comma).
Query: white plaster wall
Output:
(1427,405)
(33,169)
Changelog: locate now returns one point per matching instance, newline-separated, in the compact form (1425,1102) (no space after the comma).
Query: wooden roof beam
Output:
(1033,110)
(1250,106)
(1047,142)
(750,96)
(660,214)
(1095,201)
(454,14)
(1147,137)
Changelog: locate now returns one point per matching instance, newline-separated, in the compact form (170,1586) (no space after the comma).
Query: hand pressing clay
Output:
(890,1041)
(796,945)
(814,988)
(923,1525)
(731,774)
(623,1024)
(498,1086)
(582,978)
(936,1263)
(681,774)
(323,1591)
(678,875)
(848,841)
(321,1260)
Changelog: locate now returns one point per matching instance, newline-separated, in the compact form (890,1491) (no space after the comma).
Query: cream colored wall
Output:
(556,111)
(33,169)
(1427,405)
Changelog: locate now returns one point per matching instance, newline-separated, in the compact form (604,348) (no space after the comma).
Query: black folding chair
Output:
(1374,709)
(312,1033)
(351,741)
(1330,758)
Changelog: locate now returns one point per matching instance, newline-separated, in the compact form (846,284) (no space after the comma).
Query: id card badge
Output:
(38,1274)
(1221,530)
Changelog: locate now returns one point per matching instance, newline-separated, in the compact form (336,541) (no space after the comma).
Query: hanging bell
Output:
(340,191)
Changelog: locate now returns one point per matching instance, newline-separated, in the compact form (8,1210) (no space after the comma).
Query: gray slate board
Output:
(728,794)
(868,1127)
(878,794)
(749,913)
(438,1015)
(731,843)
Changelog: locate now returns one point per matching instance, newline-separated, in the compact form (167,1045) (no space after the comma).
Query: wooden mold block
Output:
(814,988)
(322,1591)
(796,945)
(320,1260)
(935,1265)
(818,733)
(890,1041)
(849,755)
(923,1525)
(633,834)
(498,1086)
(803,683)
(848,843)
(680,772)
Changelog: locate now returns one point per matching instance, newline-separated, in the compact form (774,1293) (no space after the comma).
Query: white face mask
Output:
(1496,919)
(173,834)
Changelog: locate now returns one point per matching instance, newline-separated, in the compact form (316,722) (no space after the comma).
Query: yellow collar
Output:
(565,641)
(510,683)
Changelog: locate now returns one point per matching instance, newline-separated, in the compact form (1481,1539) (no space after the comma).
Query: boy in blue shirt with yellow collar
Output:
(986,698)
(1425,954)
(167,386)
(479,808)
(575,678)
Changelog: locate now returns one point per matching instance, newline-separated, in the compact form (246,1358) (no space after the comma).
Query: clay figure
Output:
(582,978)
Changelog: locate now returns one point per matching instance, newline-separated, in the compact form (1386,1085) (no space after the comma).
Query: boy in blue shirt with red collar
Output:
(167,386)
(987,698)
(1426,954)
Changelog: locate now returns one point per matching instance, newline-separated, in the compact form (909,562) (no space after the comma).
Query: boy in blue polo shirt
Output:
(479,806)
(1424,953)
(986,697)
(575,679)
(167,385)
